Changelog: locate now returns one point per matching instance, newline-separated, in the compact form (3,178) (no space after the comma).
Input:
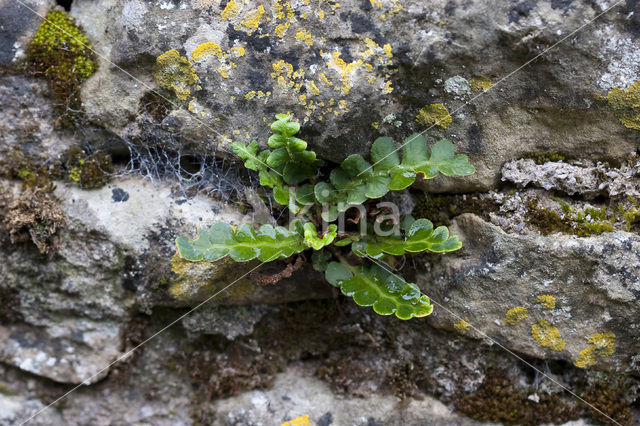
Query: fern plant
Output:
(350,260)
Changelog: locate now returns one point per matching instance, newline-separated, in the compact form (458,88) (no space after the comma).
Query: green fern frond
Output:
(372,285)
(241,244)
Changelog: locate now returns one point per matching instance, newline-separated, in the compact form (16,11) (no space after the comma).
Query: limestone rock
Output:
(379,60)
(565,308)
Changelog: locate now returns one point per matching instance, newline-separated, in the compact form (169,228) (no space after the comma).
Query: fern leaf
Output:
(358,180)
(242,244)
(420,236)
(372,285)
(312,240)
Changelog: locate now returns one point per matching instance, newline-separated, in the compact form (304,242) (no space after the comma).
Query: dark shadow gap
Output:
(65,3)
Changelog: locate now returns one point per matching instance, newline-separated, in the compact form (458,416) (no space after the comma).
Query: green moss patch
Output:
(497,399)
(61,52)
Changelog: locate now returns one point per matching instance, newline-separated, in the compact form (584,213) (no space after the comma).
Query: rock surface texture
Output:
(544,293)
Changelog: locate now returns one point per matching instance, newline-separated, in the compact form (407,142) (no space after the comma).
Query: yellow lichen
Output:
(204,50)
(311,86)
(345,70)
(175,72)
(434,114)
(252,19)
(462,325)
(387,50)
(626,105)
(238,51)
(304,36)
(547,301)
(480,84)
(298,421)
(601,345)
(282,68)
(515,315)
(324,79)
(547,336)
(386,88)
(281,29)
(223,71)
(231,10)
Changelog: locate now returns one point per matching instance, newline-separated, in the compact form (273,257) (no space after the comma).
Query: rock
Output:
(19,21)
(27,121)
(543,296)
(254,60)
(587,180)
(295,394)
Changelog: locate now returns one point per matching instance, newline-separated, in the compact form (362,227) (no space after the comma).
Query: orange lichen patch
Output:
(601,345)
(231,10)
(205,50)
(547,336)
(434,114)
(515,315)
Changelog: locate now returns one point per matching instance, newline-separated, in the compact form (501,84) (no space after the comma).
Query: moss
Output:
(176,73)
(581,223)
(610,398)
(547,335)
(32,175)
(89,171)
(601,345)
(547,301)
(626,105)
(497,399)
(480,84)
(440,209)
(61,53)
(630,215)
(515,315)
(434,114)
(33,216)
(543,157)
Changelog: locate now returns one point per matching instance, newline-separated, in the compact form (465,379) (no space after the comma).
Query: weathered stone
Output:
(593,283)
(20,19)
(587,179)
(253,60)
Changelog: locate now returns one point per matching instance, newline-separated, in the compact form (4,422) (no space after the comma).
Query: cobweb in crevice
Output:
(191,173)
